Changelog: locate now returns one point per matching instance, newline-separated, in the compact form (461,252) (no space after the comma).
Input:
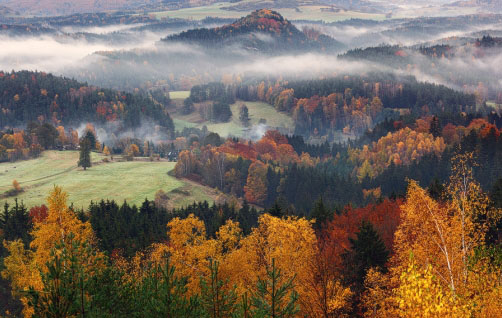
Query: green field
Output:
(179,94)
(494,105)
(310,12)
(179,124)
(257,111)
(132,181)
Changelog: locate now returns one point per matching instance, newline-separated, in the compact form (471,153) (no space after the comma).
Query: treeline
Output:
(394,92)
(480,138)
(30,142)
(218,109)
(125,229)
(354,104)
(32,96)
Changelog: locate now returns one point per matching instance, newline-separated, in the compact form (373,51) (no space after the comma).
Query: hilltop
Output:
(263,30)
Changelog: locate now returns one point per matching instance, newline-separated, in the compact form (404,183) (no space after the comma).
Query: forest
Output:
(251,159)
(369,261)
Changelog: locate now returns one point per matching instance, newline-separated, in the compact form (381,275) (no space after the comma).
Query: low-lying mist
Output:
(129,57)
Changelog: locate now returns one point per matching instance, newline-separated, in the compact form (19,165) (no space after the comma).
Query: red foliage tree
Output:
(38,213)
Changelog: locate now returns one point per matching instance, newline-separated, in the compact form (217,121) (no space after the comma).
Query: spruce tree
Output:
(85,153)
(187,106)
(78,284)
(321,214)
(496,194)
(367,251)
(271,298)
(276,210)
(163,294)
(244,115)
(435,127)
(218,300)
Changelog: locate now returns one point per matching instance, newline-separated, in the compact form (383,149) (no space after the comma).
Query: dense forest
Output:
(37,96)
(226,260)
(352,104)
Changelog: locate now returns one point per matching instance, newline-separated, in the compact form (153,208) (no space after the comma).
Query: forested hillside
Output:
(263,30)
(37,96)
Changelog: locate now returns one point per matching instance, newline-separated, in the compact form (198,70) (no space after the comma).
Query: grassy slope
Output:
(179,94)
(494,105)
(257,111)
(132,181)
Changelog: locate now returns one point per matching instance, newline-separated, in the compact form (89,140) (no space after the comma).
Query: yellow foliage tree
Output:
(443,238)
(420,295)
(291,242)
(189,250)
(23,266)
(60,222)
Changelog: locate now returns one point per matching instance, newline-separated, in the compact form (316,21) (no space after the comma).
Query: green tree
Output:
(79,283)
(321,214)
(85,151)
(212,139)
(435,127)
(15,224)
(221,112)
(271,298)
(163,294)
(187,106)
(217,299)
(436,190)
(244,115)
(367,251)
(496,194)
(47,135)
(276,210)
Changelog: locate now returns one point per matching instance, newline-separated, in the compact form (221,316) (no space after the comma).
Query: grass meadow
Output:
(129,180)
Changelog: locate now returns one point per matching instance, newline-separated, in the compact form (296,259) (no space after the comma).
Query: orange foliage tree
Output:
(256,185)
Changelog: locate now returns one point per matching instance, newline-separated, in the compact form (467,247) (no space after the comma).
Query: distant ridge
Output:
(263,30)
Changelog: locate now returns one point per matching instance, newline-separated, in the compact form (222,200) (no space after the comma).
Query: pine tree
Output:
(270,300)
(321,214)
(78,283)
(367,251)
(496,194)
(15,223)
(85,153)
(218,301)
(164,294)
(435,127)
(187,106)
(436,189)
(244,115)
(276,210)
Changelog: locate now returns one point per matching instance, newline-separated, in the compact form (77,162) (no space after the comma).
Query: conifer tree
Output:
(217,300)
(367,251)
(164,294)
(321,214)
(187,106)
(244,115)
(85,152)
(271,299)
